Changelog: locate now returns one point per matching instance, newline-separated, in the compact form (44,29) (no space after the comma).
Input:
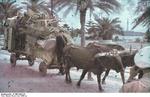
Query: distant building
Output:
(132,33)
(130,36)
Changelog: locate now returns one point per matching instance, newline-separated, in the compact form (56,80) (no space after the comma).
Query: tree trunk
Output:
(5,29)
(107,36)
(52,6)
(82,23)
(1,27)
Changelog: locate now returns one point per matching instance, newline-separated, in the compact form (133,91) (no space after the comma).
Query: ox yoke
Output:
(109,62)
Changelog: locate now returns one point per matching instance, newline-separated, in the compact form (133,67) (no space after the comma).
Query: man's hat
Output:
(142,58)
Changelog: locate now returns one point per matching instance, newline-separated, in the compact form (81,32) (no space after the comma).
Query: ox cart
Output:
(18,44)
(24,41)
(20,53)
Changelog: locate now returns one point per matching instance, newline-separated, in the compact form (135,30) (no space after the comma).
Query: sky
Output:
(126,13)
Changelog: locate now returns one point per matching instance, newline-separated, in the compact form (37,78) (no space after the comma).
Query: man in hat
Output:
(142,61)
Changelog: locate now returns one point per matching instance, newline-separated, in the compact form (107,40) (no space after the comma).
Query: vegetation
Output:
(8,9)
(147,36)
(144,18)
(38,6)
(105,28)
(82,6)
(73,32)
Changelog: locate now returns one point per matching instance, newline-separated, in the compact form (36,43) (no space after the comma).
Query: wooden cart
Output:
(22,33)
(22,41)
(19,47)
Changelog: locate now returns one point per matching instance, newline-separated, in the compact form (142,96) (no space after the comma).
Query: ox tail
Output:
(61,42)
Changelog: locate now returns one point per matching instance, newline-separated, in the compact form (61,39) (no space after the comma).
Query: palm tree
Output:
(8,9)
(83,5)
(75,32)
(51,6)
(92,30)
(52,3)
(107,27)
(66,26)
(144,18)
(142,5)
(147,36)
(37,6)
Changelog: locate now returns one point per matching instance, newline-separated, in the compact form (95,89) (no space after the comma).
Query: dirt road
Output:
(24,78)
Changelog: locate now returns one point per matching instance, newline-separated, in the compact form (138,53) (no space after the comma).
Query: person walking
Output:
(142,61)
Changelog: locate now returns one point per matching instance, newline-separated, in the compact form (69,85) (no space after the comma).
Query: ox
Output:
(83,58)
(127,58)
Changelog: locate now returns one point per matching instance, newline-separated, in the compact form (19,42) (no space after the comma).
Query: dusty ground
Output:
(24,78)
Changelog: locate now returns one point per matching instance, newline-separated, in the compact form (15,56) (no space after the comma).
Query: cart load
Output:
(22,34)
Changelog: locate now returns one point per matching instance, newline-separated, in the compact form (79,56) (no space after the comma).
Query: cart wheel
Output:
(13,60)
(43,68)
(30,61)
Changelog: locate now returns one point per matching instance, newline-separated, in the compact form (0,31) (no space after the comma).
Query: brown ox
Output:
(127,58)
(110,48)
(83,58)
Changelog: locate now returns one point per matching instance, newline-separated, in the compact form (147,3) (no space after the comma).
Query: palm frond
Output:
(114,3)
(14,11)
(105,5)
(46,9)
(9,8)
(143,19)
(9,3)
(64,5)
(26,3)
(67,11)
(108,26)
(115,21)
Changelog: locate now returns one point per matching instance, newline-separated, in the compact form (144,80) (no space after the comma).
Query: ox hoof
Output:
(101,90)
(130,80)
(30,60)
(43,68)
(78,84)
(13,59)
(68,81)
(103,82)
(60,73)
